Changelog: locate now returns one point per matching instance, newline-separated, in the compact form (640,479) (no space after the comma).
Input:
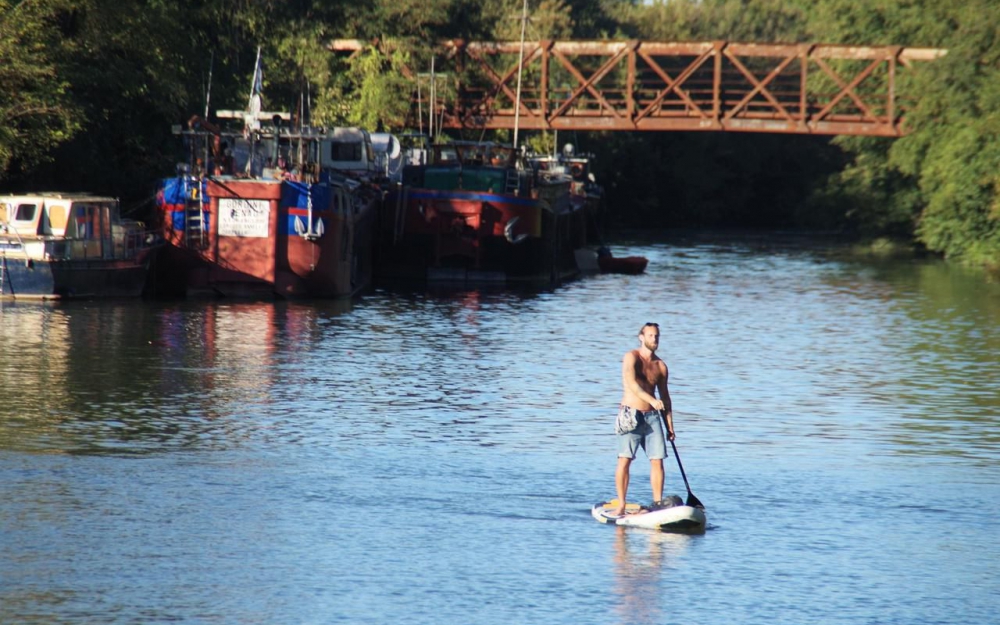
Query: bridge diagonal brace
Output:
(847,90)
(674,85)
(587,84)
(760,87)
(501,83)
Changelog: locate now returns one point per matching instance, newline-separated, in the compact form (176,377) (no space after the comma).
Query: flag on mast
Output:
(256,90)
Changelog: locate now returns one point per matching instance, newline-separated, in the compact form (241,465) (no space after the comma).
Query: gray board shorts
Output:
(648,434)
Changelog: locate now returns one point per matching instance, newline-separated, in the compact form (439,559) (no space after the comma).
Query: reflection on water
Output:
(948,338)
(129,377)
(644,563)
(431,457)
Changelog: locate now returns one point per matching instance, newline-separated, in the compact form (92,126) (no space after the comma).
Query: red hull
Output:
(628,264)
(257,242)
(480,237)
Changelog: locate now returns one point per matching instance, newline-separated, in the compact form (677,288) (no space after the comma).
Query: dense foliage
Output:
(89,90)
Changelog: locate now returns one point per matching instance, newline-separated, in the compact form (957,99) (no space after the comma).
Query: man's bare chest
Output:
(648,373)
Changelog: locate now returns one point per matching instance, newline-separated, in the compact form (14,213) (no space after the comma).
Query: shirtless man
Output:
(643,373)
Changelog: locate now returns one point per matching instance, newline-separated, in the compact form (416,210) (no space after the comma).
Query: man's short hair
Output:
(648,324)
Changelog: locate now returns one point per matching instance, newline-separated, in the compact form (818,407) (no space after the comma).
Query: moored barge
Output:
(479,212)
(270,211)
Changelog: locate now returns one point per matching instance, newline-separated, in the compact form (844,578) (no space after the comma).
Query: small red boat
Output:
(625,264)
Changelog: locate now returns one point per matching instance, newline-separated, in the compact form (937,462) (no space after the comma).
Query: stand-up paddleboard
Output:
(677,517)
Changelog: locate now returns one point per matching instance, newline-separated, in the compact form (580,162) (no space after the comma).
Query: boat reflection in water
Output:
(170,375)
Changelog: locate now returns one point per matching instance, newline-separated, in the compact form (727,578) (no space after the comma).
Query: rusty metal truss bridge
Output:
(641,85)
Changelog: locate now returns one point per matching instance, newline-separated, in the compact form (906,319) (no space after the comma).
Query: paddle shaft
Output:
(691,500)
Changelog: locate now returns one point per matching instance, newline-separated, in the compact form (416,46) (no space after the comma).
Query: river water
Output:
(431,457)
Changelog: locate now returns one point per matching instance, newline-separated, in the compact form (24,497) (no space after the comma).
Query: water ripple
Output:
(427,457)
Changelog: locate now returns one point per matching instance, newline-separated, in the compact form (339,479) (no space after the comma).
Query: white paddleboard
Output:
(681,517)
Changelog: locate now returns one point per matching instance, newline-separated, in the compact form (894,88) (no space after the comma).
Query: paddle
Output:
(691,500)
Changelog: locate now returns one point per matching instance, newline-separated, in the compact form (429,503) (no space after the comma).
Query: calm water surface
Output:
(432,457)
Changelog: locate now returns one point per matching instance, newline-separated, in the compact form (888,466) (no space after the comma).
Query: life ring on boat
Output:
(577,169)
(508,232)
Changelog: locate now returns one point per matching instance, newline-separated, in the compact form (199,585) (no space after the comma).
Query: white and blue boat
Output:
(71,245)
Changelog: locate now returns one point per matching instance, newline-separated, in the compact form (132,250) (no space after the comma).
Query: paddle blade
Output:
(694,502)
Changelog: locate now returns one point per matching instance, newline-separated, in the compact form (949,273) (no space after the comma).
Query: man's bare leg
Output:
(656,479)
(621,483)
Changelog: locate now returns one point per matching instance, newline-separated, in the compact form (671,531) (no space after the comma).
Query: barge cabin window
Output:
(25,212)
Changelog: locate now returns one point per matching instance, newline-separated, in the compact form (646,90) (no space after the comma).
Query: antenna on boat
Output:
(420,108)
(520,69)
(208,87)
(251,123)
(430,123)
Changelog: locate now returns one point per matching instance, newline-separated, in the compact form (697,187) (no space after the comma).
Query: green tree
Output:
(954,150)
(380,95)
(766,21)
(129,79)
(37,111)
(129,71)
(943,176)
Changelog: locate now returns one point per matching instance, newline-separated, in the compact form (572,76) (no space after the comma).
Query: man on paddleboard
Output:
(641,416)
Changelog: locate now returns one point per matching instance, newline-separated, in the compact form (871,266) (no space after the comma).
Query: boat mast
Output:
(430,113)
(420,109)
(254,106)
(520,68)
(208,87)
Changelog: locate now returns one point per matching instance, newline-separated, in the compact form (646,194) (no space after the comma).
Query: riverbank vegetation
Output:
(89,90)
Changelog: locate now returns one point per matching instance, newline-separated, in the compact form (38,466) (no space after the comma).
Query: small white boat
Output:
(676,518)
(64,245)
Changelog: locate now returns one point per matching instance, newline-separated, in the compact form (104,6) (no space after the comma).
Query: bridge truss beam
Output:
(635,85)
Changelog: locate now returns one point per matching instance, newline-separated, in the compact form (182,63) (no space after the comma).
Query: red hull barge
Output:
(475,213)
(249,238)
(285,218)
